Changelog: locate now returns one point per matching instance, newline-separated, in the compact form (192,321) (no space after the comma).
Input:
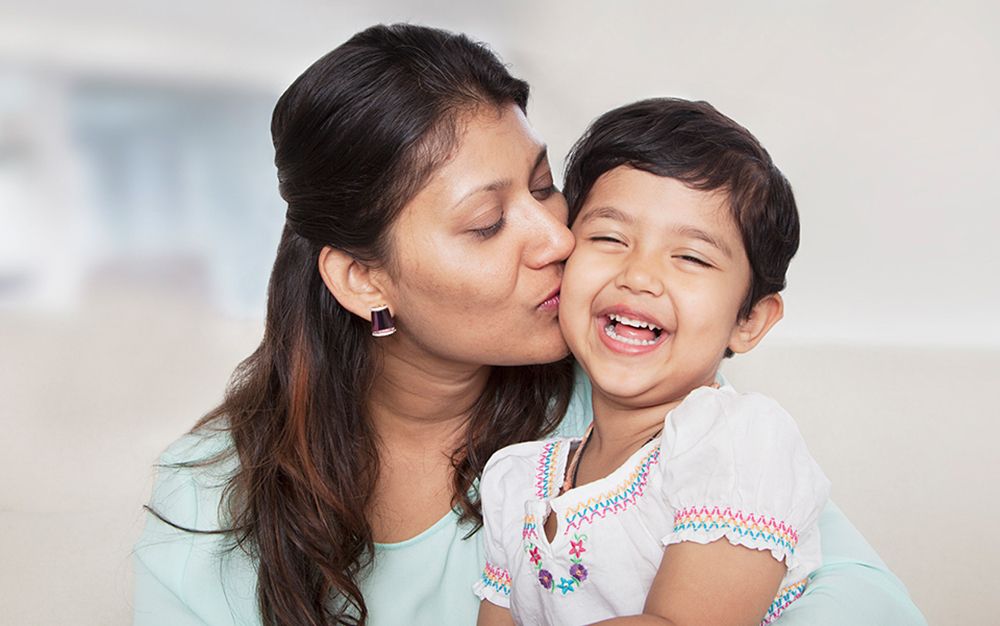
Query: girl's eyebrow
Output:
(607,212)
(697,233)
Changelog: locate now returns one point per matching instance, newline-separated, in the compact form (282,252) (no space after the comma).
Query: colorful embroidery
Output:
(545,483)
(545,577)
(497,578)
(614,501)
(785,597)
(529,527)
(760,528)
(576,548)
(577,571)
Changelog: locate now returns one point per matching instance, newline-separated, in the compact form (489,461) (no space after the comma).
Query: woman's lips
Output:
(551,303)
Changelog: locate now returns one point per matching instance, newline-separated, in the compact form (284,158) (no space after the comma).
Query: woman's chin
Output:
(543,350)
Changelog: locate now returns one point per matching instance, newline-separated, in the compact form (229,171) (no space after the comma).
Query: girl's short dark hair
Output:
(693,143)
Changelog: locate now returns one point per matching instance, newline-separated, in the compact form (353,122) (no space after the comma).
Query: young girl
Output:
(684,230)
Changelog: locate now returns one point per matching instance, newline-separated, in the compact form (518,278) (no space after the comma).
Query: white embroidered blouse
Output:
(726,464)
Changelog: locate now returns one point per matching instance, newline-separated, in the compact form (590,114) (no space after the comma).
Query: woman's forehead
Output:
(496,151)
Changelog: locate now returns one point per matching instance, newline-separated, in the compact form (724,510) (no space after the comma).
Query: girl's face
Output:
(652,291)
(479,251)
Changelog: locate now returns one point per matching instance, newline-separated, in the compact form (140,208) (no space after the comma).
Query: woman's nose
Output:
(552,241)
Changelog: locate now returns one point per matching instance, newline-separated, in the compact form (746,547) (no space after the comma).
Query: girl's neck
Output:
(619,430)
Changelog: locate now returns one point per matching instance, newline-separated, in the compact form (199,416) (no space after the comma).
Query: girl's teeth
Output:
(609,330)
(621,319)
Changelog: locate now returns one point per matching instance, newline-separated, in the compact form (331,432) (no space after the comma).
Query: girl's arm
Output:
(717,583)
(493,615)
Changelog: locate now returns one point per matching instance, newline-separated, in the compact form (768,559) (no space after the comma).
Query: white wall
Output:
(882,114)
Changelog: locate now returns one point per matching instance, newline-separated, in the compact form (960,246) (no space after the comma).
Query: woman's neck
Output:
(420,410)
(415,398)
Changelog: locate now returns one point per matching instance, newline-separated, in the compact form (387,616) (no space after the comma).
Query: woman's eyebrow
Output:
(504,183)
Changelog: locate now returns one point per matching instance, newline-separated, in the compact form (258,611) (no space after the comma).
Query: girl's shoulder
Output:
(710,416)
(528,456)
(529,470)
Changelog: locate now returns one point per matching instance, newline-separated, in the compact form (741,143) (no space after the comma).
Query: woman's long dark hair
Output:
(356,136)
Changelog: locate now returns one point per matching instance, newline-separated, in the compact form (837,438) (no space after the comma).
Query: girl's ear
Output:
(356,286)
(763,316)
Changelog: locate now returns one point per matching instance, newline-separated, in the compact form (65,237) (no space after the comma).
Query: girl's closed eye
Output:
(694,259)
(607,238)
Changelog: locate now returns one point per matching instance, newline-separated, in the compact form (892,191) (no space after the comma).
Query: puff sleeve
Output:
(737,467)
(494,585)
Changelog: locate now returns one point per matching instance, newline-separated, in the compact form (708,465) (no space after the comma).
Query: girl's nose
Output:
(640,274)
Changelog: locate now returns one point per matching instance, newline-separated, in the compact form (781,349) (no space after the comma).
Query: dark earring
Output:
(382,325)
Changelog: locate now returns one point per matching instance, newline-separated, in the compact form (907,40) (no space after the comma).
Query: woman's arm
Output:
(854,586)
(717,583)
(184,578)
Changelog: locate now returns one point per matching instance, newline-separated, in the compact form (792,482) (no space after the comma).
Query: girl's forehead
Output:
(630,195)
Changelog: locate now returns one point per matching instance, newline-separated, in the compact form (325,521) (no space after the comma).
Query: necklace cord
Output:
(574,464)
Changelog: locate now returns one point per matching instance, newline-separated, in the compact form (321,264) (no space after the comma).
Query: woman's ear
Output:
(355,286)
(763,316)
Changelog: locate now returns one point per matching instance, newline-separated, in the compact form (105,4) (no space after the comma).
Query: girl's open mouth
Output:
(631,332)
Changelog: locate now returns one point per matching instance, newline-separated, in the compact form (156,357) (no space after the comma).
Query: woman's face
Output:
(479,251)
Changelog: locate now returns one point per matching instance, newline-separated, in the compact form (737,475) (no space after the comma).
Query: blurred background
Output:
(139,217)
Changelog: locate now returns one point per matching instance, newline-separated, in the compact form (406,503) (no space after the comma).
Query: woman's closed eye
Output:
(546,193)
(490,230)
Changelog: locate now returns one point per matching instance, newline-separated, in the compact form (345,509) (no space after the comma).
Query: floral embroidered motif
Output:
(576,548)
(535,557)
(545,577)
(546,479)
(614,501)
(767,530)
(577,571)
(497,578)
(785,597)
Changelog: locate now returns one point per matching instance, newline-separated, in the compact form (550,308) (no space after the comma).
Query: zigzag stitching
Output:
(614,501)
(545,477)
(497,578)
(529,527)
(768,530)
(785,597)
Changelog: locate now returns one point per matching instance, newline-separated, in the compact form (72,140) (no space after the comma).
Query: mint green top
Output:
(185,578)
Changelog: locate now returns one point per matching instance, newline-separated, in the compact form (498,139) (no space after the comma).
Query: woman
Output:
(336,483)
